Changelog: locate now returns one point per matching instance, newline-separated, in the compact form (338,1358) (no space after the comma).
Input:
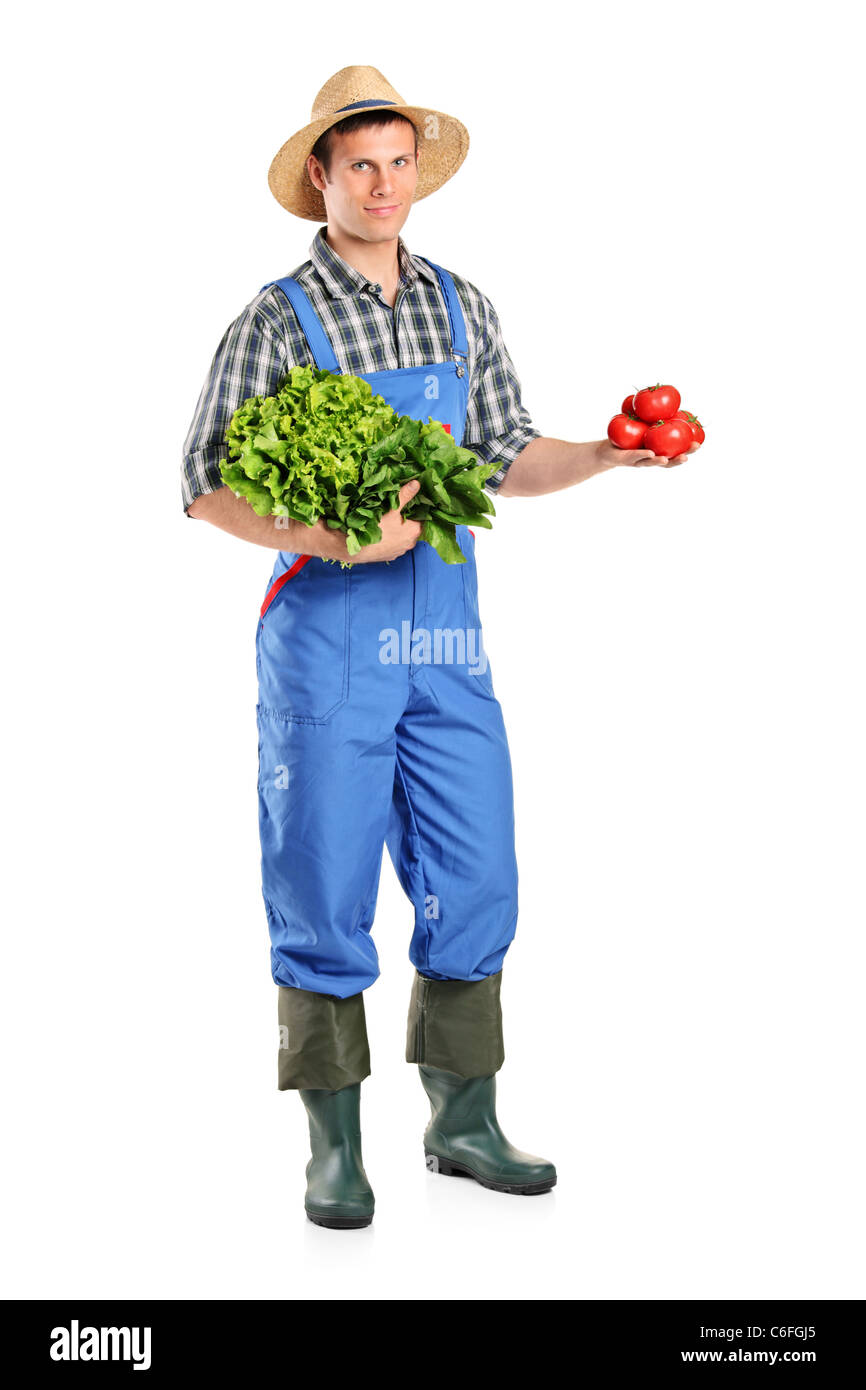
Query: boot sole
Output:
(450,1169)
(340,1223)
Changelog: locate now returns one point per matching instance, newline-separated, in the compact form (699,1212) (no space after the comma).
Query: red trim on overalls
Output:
(283,579)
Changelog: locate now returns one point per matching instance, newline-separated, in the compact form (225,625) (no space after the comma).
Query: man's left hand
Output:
(609,456)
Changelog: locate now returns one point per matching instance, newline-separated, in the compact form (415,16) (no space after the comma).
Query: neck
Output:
(378,260)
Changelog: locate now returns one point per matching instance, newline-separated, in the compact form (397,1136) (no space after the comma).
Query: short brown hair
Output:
(360,121)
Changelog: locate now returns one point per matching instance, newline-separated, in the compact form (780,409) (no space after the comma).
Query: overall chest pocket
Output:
(302,646)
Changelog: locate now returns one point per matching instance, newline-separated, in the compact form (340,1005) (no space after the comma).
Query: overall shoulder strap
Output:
(320,346)
(455,312)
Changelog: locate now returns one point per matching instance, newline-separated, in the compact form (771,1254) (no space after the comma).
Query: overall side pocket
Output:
(476,656)
(302,644)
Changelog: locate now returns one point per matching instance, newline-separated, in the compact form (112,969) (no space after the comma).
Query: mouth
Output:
(383,212)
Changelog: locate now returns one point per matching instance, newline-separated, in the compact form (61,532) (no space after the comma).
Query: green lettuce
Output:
(324,447)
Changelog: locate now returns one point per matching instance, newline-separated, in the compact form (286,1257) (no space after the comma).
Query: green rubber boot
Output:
(338,1193)
(463,1138)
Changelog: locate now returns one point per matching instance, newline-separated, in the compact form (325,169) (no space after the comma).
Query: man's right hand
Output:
(231,513)
(398,535)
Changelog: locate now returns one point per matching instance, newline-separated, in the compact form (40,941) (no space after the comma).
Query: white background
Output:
(650,194)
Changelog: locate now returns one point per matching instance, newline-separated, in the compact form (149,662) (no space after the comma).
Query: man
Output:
(355,751)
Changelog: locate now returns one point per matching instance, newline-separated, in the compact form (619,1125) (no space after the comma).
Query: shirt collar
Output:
(343,280)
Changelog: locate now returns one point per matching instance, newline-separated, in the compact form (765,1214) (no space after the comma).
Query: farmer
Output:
(357,751)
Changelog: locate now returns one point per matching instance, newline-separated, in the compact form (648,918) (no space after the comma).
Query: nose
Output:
(384,184)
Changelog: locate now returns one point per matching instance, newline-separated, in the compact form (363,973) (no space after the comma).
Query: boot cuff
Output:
(456,1025)
(323,1041)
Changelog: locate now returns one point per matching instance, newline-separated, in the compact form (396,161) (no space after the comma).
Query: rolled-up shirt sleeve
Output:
(249,361)
(498,425)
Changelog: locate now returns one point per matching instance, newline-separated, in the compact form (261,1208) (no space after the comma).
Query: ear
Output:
(314,169)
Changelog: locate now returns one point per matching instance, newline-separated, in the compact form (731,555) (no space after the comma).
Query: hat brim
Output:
(443,139)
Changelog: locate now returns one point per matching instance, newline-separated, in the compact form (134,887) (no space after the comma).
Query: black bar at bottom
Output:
(156,1338)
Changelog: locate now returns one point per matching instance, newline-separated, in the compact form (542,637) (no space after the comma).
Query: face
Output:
(372,181)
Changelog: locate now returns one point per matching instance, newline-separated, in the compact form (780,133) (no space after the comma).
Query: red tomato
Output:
(627,406)
(656,403)
(626,432)
(696,427)
(668,438)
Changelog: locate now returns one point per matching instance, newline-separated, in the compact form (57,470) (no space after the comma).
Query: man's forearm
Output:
(234,514)
(548,465)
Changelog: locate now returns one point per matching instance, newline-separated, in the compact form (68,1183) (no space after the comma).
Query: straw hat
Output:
(443,139)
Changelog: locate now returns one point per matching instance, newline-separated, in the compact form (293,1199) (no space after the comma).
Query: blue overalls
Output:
(378,724)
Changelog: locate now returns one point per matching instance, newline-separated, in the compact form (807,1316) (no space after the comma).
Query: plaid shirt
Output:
(265,341)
